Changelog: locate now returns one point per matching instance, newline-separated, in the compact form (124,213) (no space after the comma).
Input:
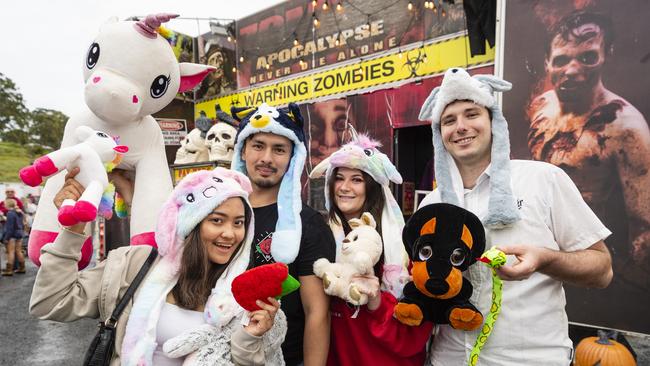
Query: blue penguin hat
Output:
(285,122)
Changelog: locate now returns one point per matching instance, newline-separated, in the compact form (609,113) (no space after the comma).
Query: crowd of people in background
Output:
(16,217)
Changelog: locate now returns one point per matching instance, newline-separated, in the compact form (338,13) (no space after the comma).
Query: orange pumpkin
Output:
(603,351)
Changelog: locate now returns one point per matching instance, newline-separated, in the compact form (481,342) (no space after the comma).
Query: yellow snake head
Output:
(493,257)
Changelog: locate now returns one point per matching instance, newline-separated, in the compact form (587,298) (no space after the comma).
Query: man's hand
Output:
(531,259)
(262,320)
(369,285)
(124,184)
(71,190)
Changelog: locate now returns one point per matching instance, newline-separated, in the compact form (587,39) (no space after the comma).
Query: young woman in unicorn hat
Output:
(357,178)
(204,233)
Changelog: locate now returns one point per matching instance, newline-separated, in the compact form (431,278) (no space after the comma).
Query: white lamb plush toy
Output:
(360,251)
(92,154)
(130,72)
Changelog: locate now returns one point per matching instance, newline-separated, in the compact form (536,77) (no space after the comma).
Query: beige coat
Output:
(62,293)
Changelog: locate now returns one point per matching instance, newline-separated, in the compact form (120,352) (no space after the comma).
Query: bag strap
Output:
(131,290)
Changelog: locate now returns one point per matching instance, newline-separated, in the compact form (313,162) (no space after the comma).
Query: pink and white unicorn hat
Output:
(363,154)
(191,201)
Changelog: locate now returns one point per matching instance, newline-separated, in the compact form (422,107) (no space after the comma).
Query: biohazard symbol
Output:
(235,101)
(413,62)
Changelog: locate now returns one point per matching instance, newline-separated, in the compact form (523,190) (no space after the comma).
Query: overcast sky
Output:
(44,41)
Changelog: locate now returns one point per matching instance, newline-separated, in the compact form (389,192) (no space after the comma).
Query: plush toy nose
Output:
(437,286)
(121,149)
(346,240)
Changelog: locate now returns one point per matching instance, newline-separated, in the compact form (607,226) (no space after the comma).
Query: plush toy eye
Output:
(457,257)
(93,55)
(189,198)
(101,134)
(218,180)
(159,86)
(368,152)
(425,253)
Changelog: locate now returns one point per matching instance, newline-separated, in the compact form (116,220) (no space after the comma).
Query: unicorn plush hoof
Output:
(84,211)
(66,217)
(45,166)
(30,176)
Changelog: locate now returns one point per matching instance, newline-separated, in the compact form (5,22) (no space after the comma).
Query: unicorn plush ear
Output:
(81,133)
(240,178)
(239,113)
(192,75)
(320,169)
(166,228)
(427,107)
(495,83)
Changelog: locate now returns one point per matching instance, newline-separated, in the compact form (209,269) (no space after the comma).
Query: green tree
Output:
(46,128)
(14,116)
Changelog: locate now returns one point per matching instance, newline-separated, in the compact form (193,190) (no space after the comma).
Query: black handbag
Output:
(101,348)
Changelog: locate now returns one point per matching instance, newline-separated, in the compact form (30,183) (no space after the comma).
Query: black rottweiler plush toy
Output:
(442,241)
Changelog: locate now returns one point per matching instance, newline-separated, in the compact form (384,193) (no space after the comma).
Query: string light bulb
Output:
(337,42)
(234,69)
(295,41)
(325,5)
(314,3)
(339,6)
(400,54)
(241,58)
(409,6)
(267,66)
(229,38)
(316,22)
(443,12)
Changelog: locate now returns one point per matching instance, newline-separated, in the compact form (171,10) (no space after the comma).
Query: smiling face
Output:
(349,192)
(466,132)
(223,230)
(267,157)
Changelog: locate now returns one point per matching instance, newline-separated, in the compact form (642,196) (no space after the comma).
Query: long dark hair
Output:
(197,274)
(374,203)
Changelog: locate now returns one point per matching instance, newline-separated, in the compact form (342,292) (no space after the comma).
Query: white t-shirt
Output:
(532,328)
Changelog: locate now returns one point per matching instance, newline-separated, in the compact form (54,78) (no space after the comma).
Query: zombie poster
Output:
(297,35)
(214,49)
(579,101)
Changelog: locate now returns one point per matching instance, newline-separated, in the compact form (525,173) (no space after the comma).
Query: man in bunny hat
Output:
(270,150)
(531,210)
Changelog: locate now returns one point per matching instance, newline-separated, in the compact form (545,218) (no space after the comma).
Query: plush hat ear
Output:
(427,108)
(166,228)
(81,133)
(240,178)
(390,170)
(295,115)
(320,169)
(239,113)
(367,219)
(495,83)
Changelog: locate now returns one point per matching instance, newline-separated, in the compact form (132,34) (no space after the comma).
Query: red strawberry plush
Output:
(259,283)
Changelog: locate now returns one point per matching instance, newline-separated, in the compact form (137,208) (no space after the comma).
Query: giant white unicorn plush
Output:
(130,72)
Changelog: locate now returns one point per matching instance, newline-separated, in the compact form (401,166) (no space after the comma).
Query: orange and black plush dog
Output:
(442,240)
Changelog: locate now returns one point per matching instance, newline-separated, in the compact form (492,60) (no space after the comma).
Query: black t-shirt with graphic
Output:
(317,242)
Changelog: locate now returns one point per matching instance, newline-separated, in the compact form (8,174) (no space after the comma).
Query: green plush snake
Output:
(493,258)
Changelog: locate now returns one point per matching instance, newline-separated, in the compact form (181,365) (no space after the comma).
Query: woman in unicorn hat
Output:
(204,234)
(357,179)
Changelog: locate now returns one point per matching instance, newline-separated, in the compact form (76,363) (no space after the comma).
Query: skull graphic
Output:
(220,141)
(193,149)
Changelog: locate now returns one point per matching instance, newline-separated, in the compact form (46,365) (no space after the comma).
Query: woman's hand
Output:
(369,285)
(71,190)
(262,320)
(124,184)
